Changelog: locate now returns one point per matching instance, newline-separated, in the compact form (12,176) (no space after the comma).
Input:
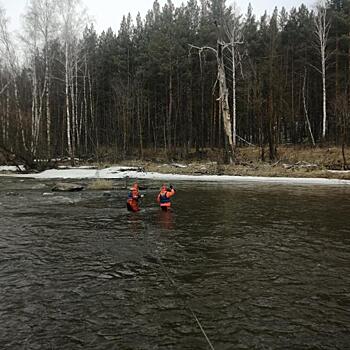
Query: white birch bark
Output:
(40,27)
(234,112)
(73,106)
(85,106)
(6,131)
(322,27)
(73,20)
(8,54)
(68,117)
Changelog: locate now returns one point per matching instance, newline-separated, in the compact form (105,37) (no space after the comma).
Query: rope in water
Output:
(168,277)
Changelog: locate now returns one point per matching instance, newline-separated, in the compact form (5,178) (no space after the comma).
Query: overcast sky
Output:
(108,13)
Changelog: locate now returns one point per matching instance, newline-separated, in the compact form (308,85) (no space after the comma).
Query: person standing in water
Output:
(164,196)
(134,195)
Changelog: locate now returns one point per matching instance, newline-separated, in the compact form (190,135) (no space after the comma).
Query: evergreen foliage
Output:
(145,88)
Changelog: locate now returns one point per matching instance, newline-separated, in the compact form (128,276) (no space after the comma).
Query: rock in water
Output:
(67,187)
(12,194)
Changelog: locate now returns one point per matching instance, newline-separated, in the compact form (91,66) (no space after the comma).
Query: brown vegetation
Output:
(101,185)
(292,162)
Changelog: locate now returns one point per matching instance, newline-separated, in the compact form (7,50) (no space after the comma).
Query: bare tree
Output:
(31,41)
(11,61)
(322,26)
(4,104)
(223,91)
(229,24)
(306,111)
(342,106)
(234,34)
(72,21)
(41,28)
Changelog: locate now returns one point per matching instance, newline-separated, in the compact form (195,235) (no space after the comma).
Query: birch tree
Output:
(11,62)
(31,40)
(72,21)
(41,28)
(322,26)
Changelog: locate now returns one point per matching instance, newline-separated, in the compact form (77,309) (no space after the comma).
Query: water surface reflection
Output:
(262,267)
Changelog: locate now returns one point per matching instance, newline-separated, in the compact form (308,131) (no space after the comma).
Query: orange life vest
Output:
(133,198)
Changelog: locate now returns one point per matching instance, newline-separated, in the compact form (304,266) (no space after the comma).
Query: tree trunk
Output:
(68,117)
(233,97)
(48,113)
(324,95)
(85,109)
(225,103)
(305,110)
(139,104)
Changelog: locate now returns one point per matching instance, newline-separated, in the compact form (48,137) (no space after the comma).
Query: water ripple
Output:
(260,267)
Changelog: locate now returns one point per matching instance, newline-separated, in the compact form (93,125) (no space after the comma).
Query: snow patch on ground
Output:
(339,171)
(128,172)
(10,168)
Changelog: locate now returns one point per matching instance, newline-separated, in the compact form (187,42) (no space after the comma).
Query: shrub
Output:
(101,184)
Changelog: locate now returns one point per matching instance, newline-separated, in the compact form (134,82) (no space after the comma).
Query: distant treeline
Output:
(153,85)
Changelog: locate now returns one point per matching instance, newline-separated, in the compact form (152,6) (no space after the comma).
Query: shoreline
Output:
(182,174)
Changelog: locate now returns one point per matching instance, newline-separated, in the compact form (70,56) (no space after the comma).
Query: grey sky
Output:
(108,13)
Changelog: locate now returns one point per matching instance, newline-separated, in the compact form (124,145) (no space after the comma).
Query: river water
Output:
(256,266)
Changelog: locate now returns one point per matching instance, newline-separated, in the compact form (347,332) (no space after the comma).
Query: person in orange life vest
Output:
(164,197)
(134,195)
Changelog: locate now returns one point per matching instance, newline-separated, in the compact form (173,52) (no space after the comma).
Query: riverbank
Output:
(139,173)
(294,163)
(297,170)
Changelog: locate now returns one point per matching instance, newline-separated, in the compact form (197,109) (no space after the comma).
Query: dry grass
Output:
(319,159)
(101,185)
(248,163)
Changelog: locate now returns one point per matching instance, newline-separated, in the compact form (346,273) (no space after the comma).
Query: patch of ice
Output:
(11,168)
(339,171)
(114,173)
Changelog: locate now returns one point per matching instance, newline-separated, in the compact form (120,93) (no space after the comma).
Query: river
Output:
(256,266)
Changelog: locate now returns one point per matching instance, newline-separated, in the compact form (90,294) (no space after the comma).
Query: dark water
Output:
(261,267)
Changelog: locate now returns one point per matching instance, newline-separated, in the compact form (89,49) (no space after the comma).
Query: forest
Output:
(179,81)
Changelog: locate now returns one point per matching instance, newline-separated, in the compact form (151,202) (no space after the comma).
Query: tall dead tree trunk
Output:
(223,95)
(223,90)
(234,35)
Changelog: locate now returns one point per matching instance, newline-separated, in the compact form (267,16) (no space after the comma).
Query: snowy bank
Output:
(135,173)
(10,168)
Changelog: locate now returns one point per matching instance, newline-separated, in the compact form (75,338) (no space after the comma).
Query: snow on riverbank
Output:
(135,173)
(10,168)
